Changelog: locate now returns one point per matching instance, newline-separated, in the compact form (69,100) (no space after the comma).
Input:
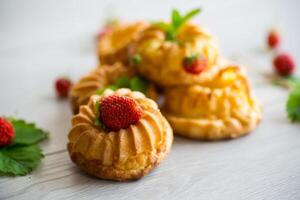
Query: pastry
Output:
(219,109)
(191,59)
(106,76)
(113,46)
(120,135)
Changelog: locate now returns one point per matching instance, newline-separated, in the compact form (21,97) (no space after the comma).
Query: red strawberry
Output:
(7,132)
(119,112)
(284,64)
(194,65)
(273,39)
(62,86)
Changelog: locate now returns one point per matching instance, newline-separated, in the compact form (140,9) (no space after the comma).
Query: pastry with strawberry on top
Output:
(222,108)
(175,53)
(108,76)
(119,135)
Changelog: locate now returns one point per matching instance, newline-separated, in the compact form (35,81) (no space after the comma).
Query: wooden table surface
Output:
(40,40)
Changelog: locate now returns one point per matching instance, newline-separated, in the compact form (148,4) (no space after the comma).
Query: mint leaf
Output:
(19,160)
(177,21)
(138,84)
(190,15)
(123,82)
(112,87)
(293,105)
(164,26)
(27,133)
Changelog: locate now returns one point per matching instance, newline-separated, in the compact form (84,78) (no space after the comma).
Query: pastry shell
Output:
(162,60)
(222,109)
(99,78)
(126,154)
(113,47)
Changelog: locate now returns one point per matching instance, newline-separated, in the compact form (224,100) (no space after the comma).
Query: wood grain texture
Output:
(41,40)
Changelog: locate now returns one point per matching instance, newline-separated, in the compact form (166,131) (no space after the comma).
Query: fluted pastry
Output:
(99,78)
(220,109)
(113,46)
(126,154)
(162,60)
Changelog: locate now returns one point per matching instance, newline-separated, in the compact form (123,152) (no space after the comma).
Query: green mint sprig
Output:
(177,21)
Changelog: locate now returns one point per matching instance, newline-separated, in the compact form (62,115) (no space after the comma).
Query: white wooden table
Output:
(40,40)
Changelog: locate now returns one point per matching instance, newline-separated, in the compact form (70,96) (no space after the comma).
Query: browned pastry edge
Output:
(93,167)
(74,104)
(208,135)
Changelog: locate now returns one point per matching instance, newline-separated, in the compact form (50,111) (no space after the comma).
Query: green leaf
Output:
(190,59)
(19,160)
(164,26)
(138,84)
(112,87)
(97,119)
(123,82)
(293,105)
(191,14)
(135,60)
(27,133)
(176,19)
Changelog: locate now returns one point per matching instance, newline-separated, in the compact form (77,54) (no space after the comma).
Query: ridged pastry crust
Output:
(162,60)
(113,46)
(221,109)
(99,78)
(126,154)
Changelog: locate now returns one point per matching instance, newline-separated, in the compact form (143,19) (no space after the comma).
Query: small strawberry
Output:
(194,65)
(273,39)
(284,64)
(62,86)
(119,112)
(7,132)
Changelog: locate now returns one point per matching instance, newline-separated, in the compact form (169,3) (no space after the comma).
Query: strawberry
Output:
(7,132)
(194,65)
(119,112)
(273,39)
(284,64)
(62,86)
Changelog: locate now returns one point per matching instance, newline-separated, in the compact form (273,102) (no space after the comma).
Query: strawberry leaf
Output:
(27,133)
(19,160)
(293,105)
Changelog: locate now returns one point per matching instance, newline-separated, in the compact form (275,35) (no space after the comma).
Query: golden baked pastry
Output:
(163,61)
(220,109)
(101,77)
(125,154)
(113,46)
